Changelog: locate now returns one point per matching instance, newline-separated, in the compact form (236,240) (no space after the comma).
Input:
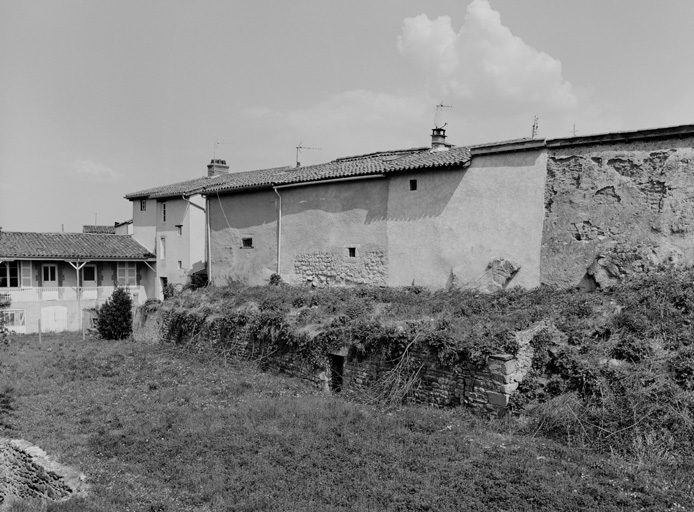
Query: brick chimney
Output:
(438,139)
(217,167)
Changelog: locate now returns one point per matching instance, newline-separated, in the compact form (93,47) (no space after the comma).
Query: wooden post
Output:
(39,331)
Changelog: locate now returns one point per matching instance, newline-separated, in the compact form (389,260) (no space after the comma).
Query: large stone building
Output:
(581,210)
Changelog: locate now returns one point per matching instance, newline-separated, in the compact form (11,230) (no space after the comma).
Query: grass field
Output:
(157,429)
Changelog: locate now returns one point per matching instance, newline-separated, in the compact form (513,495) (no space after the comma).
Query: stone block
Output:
(507,388)
(498,399)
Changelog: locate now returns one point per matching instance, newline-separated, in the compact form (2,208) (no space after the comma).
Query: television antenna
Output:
(96,216)
(574,132)
(214,148)
(535,126)
(439,121)
(298,150)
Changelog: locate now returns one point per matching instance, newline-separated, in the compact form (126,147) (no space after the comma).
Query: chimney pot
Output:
(438,139)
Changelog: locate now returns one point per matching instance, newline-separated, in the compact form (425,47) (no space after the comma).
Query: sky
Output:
(102,98)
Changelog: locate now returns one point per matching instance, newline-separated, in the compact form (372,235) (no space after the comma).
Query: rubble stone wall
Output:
(612,210)
(326,268)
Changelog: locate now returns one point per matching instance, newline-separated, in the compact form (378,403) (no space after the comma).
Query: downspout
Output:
(279,228)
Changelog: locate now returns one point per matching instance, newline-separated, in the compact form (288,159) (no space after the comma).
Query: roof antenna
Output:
(574,132)
(535,126)
(438,116)
(96,215)
(214,148)
(298,150)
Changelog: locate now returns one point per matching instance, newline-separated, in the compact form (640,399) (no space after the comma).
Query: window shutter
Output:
(132,275)
(121,277)
(26,274)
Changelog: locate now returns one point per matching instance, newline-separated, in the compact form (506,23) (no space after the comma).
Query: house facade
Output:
(171,222)
(51,278)
(584,210)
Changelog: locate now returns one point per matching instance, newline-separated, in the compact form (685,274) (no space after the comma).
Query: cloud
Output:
(91,171)
(484,61)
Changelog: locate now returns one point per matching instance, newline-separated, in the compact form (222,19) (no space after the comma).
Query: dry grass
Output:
(162,430)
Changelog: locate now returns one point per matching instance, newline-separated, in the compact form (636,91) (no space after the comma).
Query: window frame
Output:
(143,205)
(163,211)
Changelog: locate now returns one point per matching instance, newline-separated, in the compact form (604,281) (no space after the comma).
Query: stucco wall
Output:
(457,221)
(237,216)
(617,209)
(320,223)
(177,246)
(145,224)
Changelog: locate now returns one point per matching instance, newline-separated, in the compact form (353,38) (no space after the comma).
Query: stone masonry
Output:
(613,210)
(327,268)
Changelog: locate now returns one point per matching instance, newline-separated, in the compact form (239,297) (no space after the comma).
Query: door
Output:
(54,319)
(89,285)
(49,274)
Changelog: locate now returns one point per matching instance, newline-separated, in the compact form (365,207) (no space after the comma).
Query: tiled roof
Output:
(70,246)
(175,189)
(103,230)
(384,162)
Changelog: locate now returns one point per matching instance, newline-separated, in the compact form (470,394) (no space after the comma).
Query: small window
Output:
(163,212)
(247,243)
(162,248)
(89,273)
(413,184)
(179,229)
(180,265)
(143,205)
(352,251)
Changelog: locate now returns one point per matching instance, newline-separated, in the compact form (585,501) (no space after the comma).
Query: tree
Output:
(114,319)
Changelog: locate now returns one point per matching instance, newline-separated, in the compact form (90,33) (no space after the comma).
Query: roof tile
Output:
(70,246)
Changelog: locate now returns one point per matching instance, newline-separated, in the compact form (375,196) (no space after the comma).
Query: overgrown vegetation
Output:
(612,370)
(114,320)
(155,427)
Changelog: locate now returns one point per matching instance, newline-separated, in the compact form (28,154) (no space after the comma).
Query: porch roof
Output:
(23,245)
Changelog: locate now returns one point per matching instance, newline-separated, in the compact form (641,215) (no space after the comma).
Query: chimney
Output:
(217,167)
(438,139)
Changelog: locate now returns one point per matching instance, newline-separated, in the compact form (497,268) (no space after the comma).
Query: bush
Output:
(115,318)
(5,302)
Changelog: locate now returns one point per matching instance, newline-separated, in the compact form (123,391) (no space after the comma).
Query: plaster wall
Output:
(145,224)
(321,223)
(237,216)
(617,209)
(457,221)
(178,246)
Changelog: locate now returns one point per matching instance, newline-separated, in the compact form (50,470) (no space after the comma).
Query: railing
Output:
(70,293)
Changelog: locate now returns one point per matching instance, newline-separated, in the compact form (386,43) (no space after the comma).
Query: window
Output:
(143,205)
(50,275)
(127,273)
(413,184)
(179,229)
(88,273)
(162,248)
(9,274)
(180,265)
(247,243)
(352,252)
(163,212)
(14,317)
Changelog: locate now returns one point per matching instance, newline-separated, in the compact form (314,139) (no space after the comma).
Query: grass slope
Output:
(157,429)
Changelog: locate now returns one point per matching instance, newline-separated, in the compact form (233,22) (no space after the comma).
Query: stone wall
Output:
(26,473)
(487,388)
(612,210)
(326,268)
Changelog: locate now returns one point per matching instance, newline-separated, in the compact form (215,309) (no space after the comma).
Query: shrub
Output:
(115,317)
(5,301)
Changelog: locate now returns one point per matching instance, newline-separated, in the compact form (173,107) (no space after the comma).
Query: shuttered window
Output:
(127,273)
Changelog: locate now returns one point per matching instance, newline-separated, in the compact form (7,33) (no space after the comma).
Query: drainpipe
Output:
(279,228)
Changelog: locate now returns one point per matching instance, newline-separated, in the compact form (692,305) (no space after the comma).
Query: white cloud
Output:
(91,171)
(484,61)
